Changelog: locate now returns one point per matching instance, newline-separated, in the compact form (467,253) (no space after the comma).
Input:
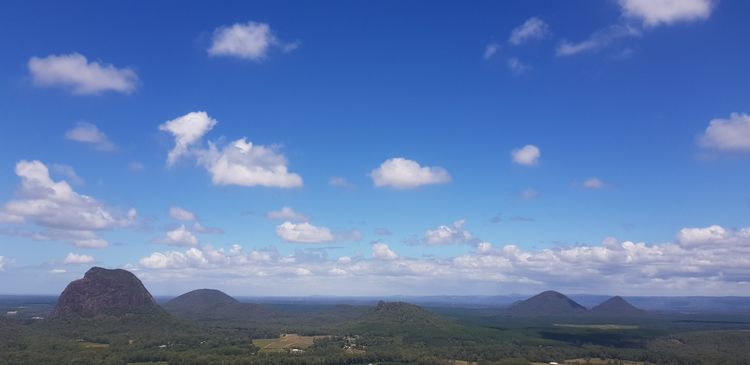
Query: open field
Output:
(595,361)
(93,345)
(285,342)
(599,326)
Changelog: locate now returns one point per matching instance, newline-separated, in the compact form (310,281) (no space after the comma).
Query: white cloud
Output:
(251,41)
(76,259)
(400,173)
(244,164)
(532,29)
(73,71)
(444,234)
(516,66)
(491,50)
(3,262)
(383,252)
(181,214)
(714,236)
(67,172)
(650,12)
(66,214)
(730,135)
(656,12)
(484,247)
(527,155)
(239,163)
(303,233)
(88,133)
(340,182)
(187,130)
(179,236)
(287,214)
(716,266)
(593,183)
(598,40)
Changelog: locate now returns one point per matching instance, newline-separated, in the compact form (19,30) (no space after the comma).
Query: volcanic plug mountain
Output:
(548,303)
(105,292)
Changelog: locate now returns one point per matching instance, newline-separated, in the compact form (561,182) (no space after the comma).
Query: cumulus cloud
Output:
(238,163)
(286,214)
(383,252)
(244,164)
(532,29)
(3,262)
(179,236)
(593,183)
(181,214)
(715,235)
(527,155)
(490,50)
(66,214)
(650,13)
(729,135)
(400,173)
(77,259)
(67,172)
(303,233)
(250,41)
(718,265)
(444,234)
(90,134)
(658,12)
(75,73)
(187,130)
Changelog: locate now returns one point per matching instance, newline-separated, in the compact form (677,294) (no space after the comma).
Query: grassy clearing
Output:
(285,342)
(603,327)
(595,361)
(93,345)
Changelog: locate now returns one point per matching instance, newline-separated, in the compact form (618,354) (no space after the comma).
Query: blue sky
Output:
(418,147)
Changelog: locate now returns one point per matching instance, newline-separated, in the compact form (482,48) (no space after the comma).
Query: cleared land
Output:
(595,361)
(285,342)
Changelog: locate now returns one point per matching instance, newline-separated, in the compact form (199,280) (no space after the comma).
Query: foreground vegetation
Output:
(398,334)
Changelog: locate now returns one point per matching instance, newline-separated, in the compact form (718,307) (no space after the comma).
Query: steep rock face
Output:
(105,292)
(617,306)
(548,303)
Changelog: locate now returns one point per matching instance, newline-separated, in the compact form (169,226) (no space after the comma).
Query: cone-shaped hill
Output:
(104,292)
(545,304)
(213,305)
(617,306)
(412,323)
